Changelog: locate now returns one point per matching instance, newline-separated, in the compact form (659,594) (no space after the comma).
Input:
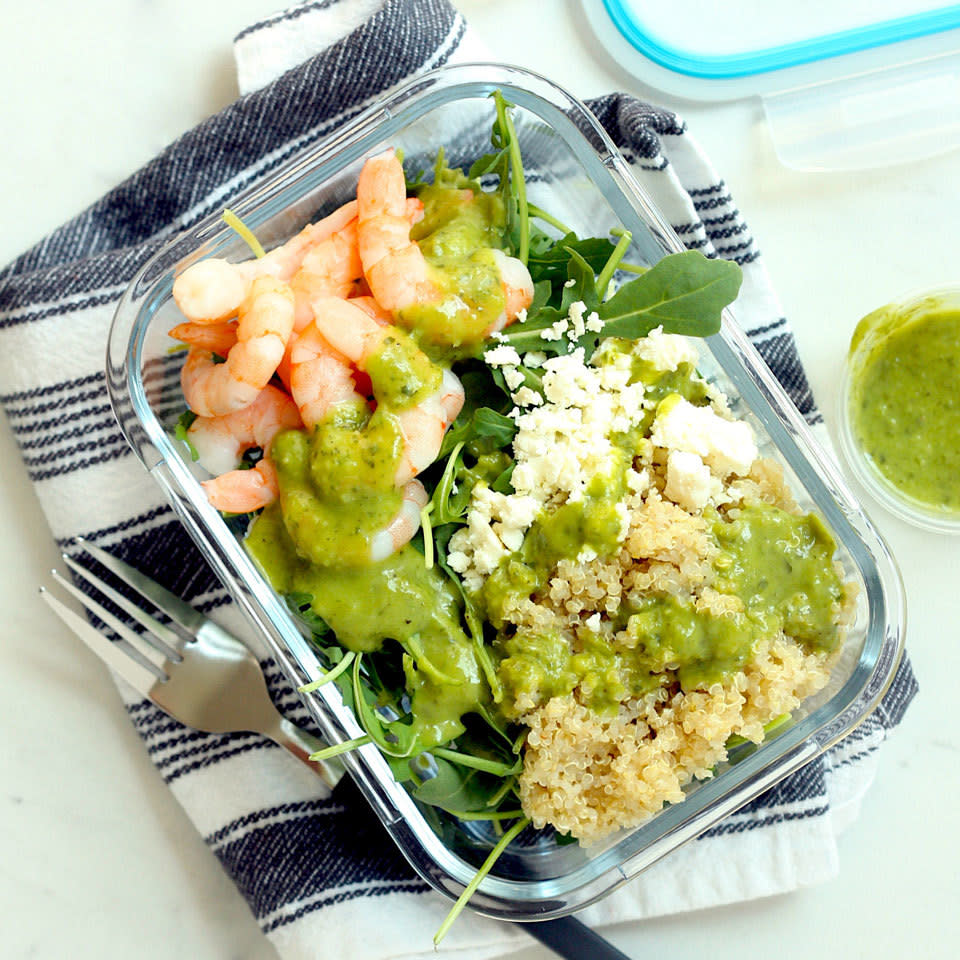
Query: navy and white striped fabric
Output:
(311,865)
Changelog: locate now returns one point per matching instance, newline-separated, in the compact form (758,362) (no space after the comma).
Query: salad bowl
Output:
(579,175)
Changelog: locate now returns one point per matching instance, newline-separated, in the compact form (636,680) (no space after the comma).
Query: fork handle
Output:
(301,744)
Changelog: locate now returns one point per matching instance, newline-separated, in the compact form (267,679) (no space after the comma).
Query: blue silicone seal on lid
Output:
(777,57)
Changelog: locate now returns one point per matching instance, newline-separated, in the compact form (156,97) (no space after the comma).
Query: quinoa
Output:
(588,775)
(590,771)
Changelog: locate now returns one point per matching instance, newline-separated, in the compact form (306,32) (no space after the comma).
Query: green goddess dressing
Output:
(904,397)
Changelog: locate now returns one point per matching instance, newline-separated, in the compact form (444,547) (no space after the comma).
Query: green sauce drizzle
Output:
(461,227)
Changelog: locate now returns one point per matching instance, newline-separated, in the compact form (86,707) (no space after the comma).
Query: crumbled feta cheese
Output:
(689,482)
(638,481)
(562,443)
(593,323)
(570,282)
(577,310)
(510,537)
(526,397)
(726,446)
(666,351)
(534,358)
(502,356)
(556,330)
(512,377)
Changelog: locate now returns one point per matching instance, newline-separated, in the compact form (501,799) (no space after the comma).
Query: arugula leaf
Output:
(684,293)
(551,263)
(456,788)
(394,739)
(471,616)
(505,162)
(542,291)
(340,665)
(530,379)
(184,423)
(580,286)
(485,868)
(504,483)
(472,761)
(489,423)
(301,606)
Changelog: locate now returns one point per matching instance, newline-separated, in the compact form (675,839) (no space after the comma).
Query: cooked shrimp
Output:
(394,266)
(243,491)
(328,270)
(372,309)
(517,288)
(424,426)
(217,338)
(320,376)
(221,441)
(332,267)
(212,290)
(357,336)
(266,321)
(403,526)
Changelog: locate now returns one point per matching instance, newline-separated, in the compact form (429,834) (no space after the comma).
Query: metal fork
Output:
(207,679)
(191,668)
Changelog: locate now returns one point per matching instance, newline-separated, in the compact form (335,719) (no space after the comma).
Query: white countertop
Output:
(96,858)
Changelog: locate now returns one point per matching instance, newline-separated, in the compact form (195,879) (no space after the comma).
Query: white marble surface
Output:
(96,859)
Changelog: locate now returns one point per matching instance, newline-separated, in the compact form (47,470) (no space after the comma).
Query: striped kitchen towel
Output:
(312,867)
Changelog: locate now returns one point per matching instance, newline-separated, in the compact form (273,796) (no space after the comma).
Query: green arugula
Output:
(184,423)
(684,293)
(505,162)
(456,789)
(549,258)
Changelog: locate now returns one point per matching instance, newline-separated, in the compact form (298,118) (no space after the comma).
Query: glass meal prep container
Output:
(583,180)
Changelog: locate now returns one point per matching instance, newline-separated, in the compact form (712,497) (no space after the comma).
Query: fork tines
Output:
(139,657)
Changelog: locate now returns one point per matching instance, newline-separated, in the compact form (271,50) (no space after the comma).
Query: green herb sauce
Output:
(460,228)
(401,373)
(398,599)
(556,535)
(337,491)
(337,483)
(778,564)
(336,487)
(905,399)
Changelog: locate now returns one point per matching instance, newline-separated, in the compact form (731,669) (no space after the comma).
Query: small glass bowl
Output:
(891,497)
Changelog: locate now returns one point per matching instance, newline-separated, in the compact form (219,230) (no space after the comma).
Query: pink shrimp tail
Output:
(218,338)
(242,491)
